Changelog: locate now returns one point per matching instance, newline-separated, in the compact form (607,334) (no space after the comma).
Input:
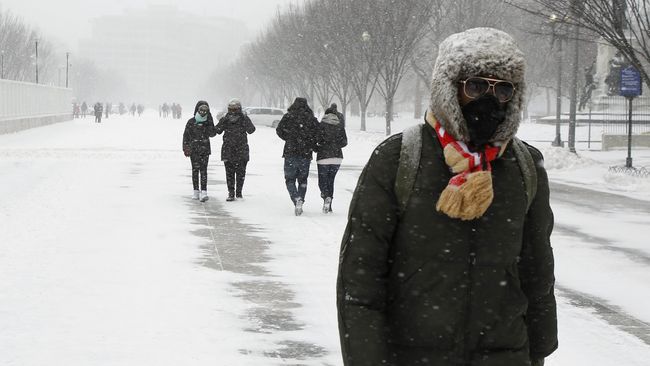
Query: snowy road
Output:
(105,260)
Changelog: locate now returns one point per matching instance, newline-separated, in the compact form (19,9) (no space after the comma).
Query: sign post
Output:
(631,88)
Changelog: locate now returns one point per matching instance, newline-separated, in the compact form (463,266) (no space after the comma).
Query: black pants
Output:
(235,173)
(326,176)
(200,166)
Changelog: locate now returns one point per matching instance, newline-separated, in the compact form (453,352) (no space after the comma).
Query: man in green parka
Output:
(462,272)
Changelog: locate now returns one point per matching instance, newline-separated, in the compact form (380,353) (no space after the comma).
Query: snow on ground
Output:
(100,266)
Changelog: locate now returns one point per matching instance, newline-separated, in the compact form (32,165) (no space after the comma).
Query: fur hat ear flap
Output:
(470,199)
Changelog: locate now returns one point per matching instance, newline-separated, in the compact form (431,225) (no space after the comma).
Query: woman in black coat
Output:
(330,138)
(196,146)
(235,126)
(298,130)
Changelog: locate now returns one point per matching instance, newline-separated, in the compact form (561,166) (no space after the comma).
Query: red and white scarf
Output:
(469,192)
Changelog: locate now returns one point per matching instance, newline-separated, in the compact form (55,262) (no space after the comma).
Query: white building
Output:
(164,53)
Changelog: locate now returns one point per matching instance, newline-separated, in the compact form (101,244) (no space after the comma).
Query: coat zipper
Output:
(471,262)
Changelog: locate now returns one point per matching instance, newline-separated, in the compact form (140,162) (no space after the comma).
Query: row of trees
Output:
(339,48)
(18,62)
(357,50)
(18,50)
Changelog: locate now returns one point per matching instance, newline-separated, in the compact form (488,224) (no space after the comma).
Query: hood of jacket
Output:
(476,52)
(331,119)
(300,106)
(200,103)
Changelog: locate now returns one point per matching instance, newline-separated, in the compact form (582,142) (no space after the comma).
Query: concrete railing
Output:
(28,105)
(613,142)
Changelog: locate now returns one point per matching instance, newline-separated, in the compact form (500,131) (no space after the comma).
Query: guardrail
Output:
(27,105)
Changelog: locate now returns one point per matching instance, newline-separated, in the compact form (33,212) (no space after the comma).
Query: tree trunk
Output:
(417,108)
(389,114)
(363,108)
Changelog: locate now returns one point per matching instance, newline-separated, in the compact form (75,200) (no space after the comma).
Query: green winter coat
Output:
(426,289)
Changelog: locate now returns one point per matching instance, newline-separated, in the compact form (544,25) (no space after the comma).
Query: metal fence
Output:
(614,115)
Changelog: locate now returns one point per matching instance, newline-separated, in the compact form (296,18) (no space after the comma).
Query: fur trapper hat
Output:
(476,52)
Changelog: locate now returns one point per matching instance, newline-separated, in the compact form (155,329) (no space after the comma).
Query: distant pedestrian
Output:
(235,126)
(298,130)
(84,109)
(132,109)
(99,110)
(330,139)
(140,110)
(196,146)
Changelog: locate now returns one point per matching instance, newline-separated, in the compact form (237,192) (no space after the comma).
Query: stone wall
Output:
(28,105)
(614,142)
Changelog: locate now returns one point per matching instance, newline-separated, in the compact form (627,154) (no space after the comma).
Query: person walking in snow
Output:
(334,109)
(298,130)
(235,126)
(446,258)
(330,139)
(196,146)
(99,110)
(84,109)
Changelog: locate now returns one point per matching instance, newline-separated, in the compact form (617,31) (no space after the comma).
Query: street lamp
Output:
(36,59)
(553,20)
(2,63)
(365,38)
(67,67)
(576,11)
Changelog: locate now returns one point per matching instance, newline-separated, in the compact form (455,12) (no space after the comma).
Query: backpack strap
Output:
(527,167)
(409,162)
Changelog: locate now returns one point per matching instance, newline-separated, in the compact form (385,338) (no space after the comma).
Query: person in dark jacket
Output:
(235,126)
(99,110)
(461,273)
(298,130)
(84,109)
(196,146)
(330,138)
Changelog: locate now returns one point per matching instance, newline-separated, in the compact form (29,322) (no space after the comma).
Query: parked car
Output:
(264,116)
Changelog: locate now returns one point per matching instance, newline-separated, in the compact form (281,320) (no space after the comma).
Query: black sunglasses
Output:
(476,86)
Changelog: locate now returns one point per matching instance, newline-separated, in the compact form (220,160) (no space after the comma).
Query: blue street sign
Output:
(630,82)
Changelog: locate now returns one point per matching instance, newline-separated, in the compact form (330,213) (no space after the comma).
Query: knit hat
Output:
(234,104)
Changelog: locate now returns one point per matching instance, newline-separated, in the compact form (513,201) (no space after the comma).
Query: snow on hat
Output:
(476,52)
(234,104)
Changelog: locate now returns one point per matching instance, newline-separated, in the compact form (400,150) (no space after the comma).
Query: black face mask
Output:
(483,115)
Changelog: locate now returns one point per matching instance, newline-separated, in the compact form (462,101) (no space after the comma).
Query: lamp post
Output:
(2,63)
(574,92)
(553,19)
(36,59)
(576,11)
(67,67)
(365,38)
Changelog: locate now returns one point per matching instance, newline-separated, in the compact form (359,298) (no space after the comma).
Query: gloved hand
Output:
(537,362)
(187,151)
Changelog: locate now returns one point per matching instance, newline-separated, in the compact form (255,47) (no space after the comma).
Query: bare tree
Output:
(18,41)
(624,24)
(400,25)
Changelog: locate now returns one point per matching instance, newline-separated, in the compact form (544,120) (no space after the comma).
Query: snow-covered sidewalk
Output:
(103,255)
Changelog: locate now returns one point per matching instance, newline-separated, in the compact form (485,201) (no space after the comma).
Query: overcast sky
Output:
(67,20)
